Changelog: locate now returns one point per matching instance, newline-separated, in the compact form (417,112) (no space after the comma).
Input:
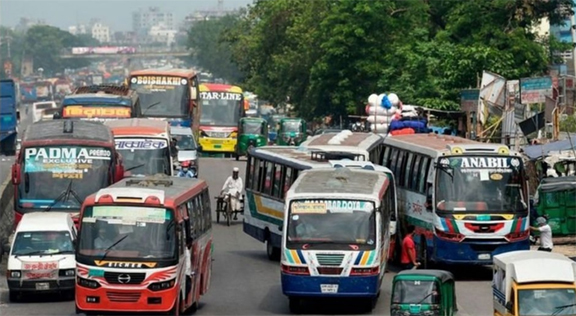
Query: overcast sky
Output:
(115,13)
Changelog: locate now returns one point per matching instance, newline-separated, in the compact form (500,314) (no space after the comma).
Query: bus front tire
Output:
(272,252)
(295,305)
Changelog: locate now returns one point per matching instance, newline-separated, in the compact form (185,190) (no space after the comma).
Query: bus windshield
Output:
(128,232)
(144,156)
(331,224)
(162,96)
(50,171)
(540,302)
(221,111)
(480,184)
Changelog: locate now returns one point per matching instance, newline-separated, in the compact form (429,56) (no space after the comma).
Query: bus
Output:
(356,146)
(221,108)
(99,103)
(335,236)
(167,94)
(60,163)
(467,200)
(132,247)
(144,145)
(271,170)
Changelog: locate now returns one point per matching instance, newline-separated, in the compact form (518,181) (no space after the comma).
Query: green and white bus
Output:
(271,170)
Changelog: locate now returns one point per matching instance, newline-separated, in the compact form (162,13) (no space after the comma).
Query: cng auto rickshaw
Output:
(253,132)
(423,292)
(556,201)
(292,132)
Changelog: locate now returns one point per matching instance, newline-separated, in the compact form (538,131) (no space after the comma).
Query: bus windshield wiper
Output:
(150,106)
(111,246)
(558,309)
(61,197)
(135,167)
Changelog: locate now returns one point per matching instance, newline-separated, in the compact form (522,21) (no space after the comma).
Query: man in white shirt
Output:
(233,186)
(545,234)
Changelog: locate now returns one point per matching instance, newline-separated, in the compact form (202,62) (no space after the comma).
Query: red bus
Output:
(60,163)
(133,244)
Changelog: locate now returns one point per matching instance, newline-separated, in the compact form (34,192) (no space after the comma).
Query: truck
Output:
(9,117)
(534,283)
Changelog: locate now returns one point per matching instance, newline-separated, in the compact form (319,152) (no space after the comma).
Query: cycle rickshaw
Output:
(224,206)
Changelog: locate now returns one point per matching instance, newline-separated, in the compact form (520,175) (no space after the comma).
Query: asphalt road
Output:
(245,282)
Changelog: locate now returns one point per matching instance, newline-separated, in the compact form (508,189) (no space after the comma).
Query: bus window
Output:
(277,182)
(423,174)
(408,170)
(393,161)
(400,168)
(415,176)
(386,159)
(268,178)
(287,180)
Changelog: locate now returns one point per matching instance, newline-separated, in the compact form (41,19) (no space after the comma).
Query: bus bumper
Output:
(119,300)
(310,286)
(479,253)
(218,145)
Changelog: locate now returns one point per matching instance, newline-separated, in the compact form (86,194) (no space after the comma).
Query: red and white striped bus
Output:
(132,249)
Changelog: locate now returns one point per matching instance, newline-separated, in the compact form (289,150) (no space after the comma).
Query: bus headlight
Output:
(70,272)
(15,274)
(160,286)
(91,284)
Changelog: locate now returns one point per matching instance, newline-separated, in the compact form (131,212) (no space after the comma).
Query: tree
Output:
(210,51)
(328,56)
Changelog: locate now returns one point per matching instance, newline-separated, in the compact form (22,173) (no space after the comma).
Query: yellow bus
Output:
(221,107)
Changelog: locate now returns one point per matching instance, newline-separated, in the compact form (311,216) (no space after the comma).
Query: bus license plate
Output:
(42,286)
(329,288)
(484,256)
(217,141)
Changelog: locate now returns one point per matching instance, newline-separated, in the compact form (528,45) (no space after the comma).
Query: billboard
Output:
(535,90)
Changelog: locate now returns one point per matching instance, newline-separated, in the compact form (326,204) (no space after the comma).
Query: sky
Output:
(115,13)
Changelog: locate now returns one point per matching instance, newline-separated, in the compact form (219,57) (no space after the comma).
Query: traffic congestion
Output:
(143,182)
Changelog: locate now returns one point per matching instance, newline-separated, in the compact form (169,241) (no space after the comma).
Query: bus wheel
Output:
(272,252)
(176,309)
(369,303)
(295,304)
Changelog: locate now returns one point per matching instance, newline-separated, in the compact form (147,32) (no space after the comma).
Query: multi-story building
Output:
(161,34)
(566,33)
(78,29)
(101,32)
(144,19)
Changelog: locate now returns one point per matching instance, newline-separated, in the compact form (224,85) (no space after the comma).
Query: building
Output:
(144,19)
(78,29)
(566,33)
(100,32)
(161,34)
(26,23)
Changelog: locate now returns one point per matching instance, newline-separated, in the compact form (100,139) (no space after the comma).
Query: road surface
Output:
(245,282)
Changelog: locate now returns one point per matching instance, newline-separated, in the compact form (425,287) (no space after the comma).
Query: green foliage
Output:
(568,124)
(44,44)
(211,52)
(328,56)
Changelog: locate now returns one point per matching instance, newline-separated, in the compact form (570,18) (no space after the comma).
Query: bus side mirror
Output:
(429,202)
(510,306)
(56,116)
(118,172)
(280,228)
(193,93)
(16,174)
(199,147)
(392,227)
(6,248)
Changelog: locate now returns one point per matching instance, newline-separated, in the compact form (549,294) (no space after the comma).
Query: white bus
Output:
(467,200)
(336,235)
(271,170)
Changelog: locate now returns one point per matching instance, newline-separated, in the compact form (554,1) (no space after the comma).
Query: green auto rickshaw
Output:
(423,292)
(292,132)
(556,200)
(252,132)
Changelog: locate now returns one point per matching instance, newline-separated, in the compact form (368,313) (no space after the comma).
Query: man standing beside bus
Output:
(408,257)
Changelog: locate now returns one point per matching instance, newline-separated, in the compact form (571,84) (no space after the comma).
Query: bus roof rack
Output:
(149,182)
(105,88)
(319,155)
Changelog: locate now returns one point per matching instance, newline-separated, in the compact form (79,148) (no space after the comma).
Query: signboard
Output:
(40,270)
(159,80)
(469,100)
(64,162)
(330,206)
(79,111)
(535,90)
(131,214)
(140,143)
(212,95)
